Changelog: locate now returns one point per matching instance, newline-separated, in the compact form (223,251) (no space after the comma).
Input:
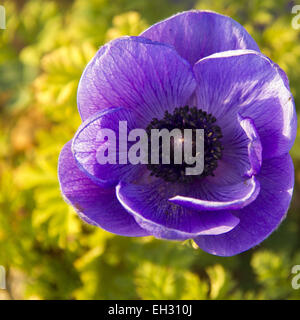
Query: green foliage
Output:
(47,250)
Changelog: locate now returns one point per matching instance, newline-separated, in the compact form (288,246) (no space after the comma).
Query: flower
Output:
(197,69)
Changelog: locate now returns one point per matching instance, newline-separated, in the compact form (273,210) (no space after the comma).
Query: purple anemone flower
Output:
(197,69)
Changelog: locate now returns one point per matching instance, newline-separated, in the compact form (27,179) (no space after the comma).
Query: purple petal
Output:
(88,143)
(94,204)
(135,73)
(261,217)
(231,197)
(254,145)
(197,34)
(247,83)
(241,158)
(149,206)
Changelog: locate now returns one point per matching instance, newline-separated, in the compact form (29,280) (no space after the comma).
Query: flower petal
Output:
(94,204)
(197,34)
(247,83)
(90,143)
(149,206)
(229,197)
(261,217)
(254,145)
(135,73)
(241,158)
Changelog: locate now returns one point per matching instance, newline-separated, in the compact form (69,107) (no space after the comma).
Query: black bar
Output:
(137,309)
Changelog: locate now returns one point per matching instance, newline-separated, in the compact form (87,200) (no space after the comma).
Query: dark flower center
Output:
(187,118)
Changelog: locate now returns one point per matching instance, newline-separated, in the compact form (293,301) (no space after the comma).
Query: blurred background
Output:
(47,251)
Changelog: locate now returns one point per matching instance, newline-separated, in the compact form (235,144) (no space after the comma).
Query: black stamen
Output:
(187,118)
